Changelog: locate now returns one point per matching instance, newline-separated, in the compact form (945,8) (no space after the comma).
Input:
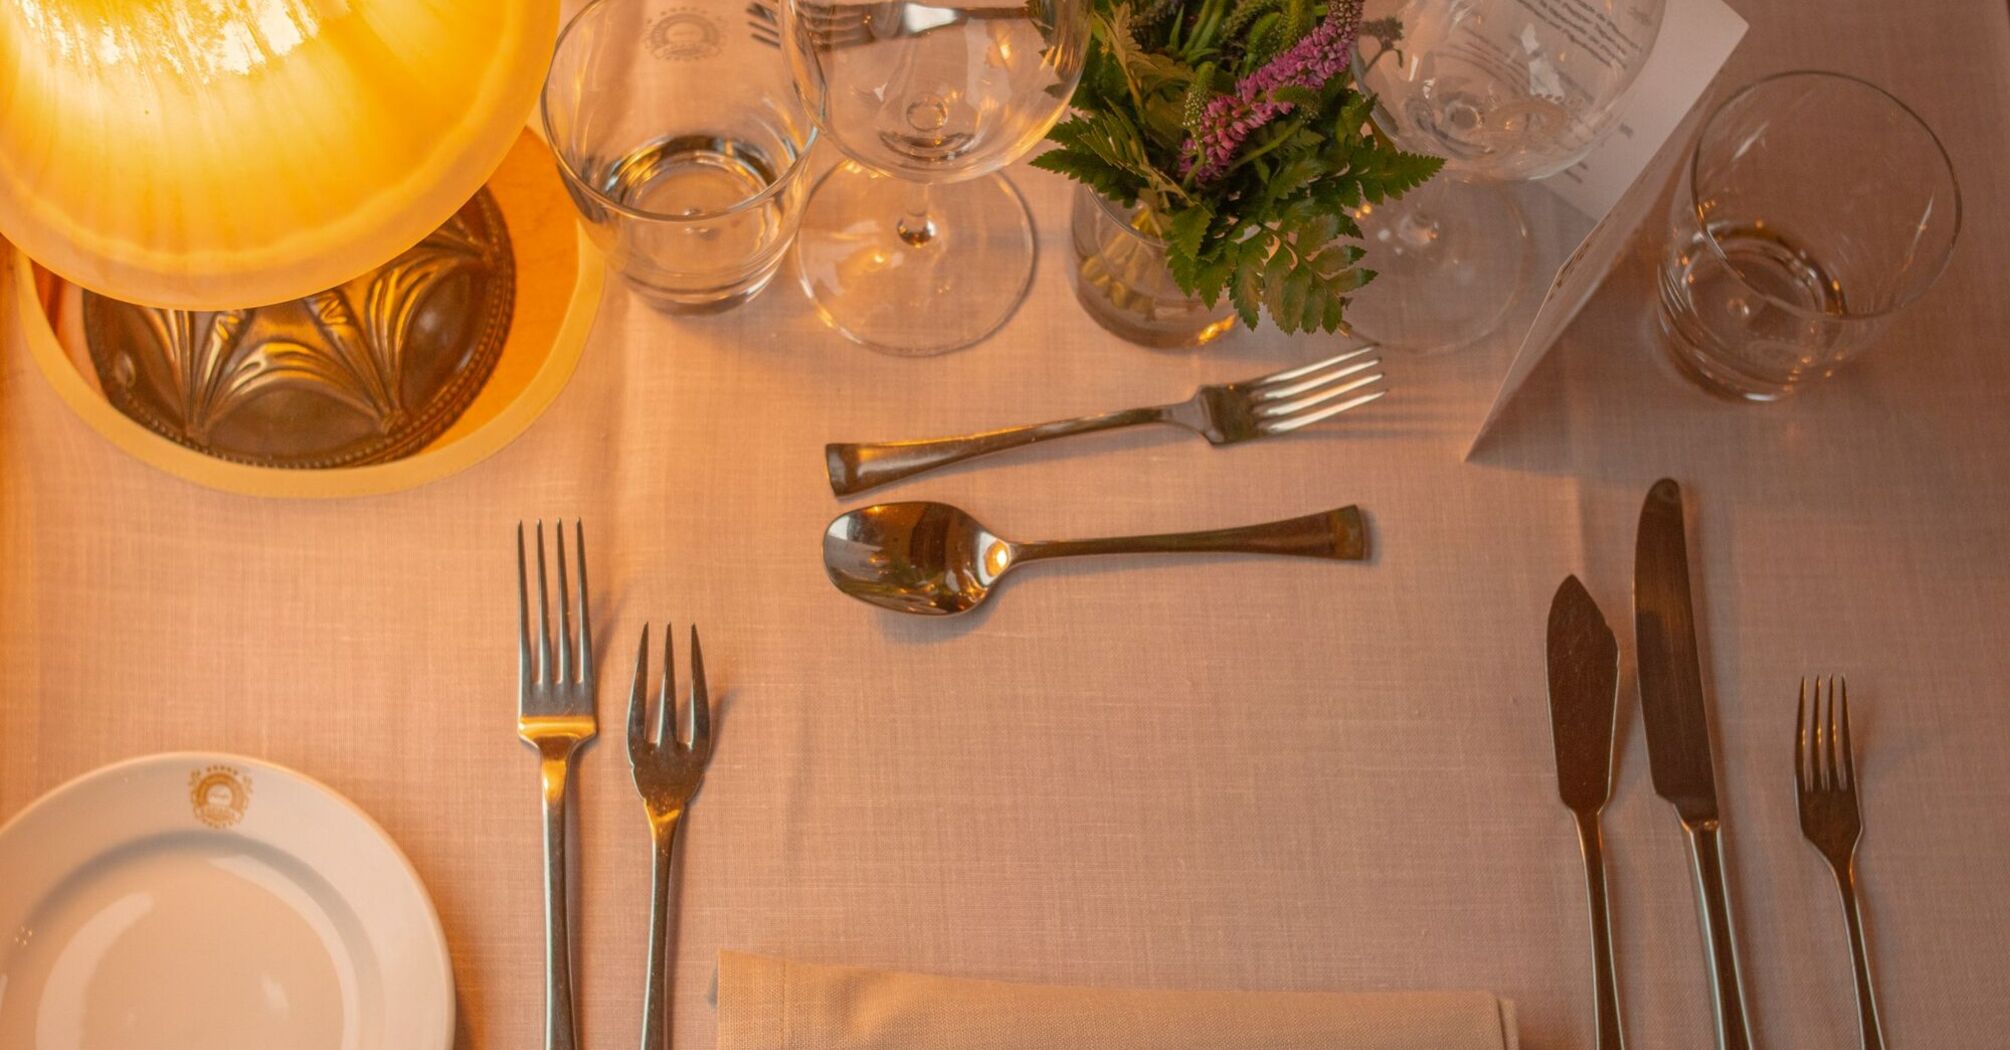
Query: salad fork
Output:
(555,715)
(1825,781)
(1228,414)
(667,774)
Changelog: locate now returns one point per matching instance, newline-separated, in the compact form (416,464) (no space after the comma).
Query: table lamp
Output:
(274,207)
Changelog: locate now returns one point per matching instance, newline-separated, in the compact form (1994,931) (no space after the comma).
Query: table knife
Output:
(1678,735)
(1583,707)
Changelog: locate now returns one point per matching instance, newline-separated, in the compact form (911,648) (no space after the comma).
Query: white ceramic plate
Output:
(198,901)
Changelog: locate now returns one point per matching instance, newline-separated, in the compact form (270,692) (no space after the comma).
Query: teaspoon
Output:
(935,560)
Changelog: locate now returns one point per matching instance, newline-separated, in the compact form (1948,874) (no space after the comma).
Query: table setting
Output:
(1422,647)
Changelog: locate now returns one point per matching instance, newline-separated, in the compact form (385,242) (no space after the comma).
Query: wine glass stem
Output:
(915,227)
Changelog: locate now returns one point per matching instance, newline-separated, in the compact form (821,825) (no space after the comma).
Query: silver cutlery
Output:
(1583,711)
(936,560)
(555,715)
(1277,403)
(1678,736)
(667,774)
(1825,783)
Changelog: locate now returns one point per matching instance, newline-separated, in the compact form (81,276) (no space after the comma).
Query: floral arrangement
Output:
(1234,129)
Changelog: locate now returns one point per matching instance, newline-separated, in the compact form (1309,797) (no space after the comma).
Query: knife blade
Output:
(1678,736)
(1583,706)
(1583,696)
(1671,676)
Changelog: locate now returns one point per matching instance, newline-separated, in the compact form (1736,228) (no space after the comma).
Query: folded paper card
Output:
(774,1004)
(1583,218)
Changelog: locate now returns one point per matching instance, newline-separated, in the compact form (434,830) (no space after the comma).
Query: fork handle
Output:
(561,1032)
(1604,975)
(1706,848)
(856,468)
(1868,1023)
(656,996)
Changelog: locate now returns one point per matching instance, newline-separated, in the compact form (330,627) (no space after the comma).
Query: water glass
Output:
(1813,206)
(682,142)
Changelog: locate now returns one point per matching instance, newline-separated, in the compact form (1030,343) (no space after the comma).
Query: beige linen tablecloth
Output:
(776,1004)
(1224,773)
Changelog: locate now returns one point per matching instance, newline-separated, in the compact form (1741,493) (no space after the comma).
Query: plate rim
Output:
(175,760)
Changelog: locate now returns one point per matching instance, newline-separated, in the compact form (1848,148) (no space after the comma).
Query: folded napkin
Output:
(774,1004)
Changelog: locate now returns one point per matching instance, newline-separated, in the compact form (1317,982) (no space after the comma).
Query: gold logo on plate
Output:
(219,795)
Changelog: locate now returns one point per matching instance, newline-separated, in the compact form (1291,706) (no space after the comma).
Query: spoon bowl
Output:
(926,558)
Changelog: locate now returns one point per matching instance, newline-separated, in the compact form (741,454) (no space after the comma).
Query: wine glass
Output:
(1504,90)
(916,245)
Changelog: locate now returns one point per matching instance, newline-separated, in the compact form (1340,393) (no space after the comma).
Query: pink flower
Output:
(1228,120)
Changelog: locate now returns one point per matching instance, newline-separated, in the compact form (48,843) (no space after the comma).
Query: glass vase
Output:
(1122,280)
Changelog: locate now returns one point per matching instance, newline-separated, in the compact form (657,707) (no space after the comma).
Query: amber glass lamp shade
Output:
(206,154)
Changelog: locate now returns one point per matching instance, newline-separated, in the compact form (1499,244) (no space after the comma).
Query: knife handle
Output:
(1706,847)
(1604,975)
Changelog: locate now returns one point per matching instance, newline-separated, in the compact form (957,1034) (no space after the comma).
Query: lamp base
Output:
(369,371)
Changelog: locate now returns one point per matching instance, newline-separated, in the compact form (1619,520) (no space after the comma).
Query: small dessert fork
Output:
(1825,779)
(667,774)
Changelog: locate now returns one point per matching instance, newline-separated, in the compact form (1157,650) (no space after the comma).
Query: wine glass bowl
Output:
(1507,91)
(928,101)
(927,91)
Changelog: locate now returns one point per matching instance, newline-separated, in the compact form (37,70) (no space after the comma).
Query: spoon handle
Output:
(1338,534)
(856,468)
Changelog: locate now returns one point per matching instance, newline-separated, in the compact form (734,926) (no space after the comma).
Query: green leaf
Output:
(1317,296)
(1212,279)
(1318,231)
(1277,297)
(1187,229)
(1246,291)
(1334,313)
(1092,171)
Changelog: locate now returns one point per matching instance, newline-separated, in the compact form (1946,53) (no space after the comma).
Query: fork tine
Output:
(666,698)
(1830,775)
(1319,397)
(1831,779)
(1290,374)
(1817,769)
(564,610)
(523,678)
(1272,392)
(1283,426)
(638,702)
(543,613)
(1848,752)
(585,623)
(1801,742)
(701,700)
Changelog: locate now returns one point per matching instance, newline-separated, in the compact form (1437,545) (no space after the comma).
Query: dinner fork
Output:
(1825,780)
(555,716)
(667,774)
(1277,403)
